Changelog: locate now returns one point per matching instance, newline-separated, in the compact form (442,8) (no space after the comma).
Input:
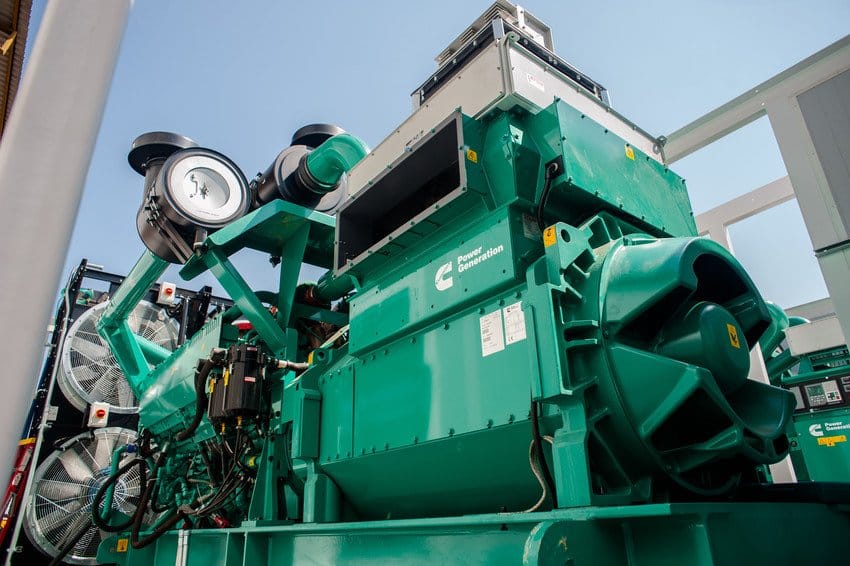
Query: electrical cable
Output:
(535,469)
(538,443)
(550,173)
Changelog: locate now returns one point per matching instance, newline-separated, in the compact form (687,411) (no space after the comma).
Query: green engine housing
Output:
(635,344)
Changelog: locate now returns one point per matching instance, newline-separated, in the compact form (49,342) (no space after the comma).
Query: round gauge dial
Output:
(205,187)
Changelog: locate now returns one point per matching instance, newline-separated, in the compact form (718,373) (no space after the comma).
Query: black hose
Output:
(550,173)
(538,448)
(99,521)
(57,560)
(201,375)
(155,496)
(138,516)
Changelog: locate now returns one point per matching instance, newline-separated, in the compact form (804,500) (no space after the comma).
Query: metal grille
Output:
(90,372)
(64,487)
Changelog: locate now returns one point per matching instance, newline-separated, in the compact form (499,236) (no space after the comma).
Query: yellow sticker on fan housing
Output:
(733,336)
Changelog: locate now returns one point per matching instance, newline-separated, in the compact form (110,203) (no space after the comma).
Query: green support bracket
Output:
(132,355)
(292,253)
(245,298)
(153,352)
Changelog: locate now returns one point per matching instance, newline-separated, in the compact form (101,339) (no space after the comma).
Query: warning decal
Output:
(733,336)
(831,441)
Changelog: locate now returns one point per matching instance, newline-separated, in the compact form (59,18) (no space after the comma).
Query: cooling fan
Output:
(64,486)
(90,372)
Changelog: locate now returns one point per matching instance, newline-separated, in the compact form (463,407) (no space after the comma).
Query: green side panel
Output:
(455,274)
(755,534)
(409,393)
(821,443)
(483,471)
(604,174)
(336,433)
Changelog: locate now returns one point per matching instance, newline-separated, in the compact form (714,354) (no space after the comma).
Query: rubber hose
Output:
(160,530)
(200,400)
(99,521)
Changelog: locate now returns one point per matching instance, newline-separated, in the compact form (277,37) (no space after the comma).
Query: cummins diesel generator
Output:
(519,353)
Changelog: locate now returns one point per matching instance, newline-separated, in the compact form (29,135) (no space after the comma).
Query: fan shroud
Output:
(90,372)
(64,487)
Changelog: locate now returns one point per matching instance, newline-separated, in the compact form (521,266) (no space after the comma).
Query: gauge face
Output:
(205,187)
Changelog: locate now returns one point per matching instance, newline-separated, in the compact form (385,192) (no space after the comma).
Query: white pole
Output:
(44,158)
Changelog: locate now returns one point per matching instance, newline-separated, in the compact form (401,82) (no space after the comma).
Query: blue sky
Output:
(240,77)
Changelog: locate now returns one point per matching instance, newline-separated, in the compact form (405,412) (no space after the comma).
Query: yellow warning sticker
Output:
(831,441)
(630,152)
(471,155)
(122,544)
(733,336)
(549,236)
(310,358)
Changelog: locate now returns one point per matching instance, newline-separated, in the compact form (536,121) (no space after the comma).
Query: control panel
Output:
(822,394)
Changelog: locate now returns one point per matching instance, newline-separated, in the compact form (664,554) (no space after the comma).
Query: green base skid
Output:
(660,534)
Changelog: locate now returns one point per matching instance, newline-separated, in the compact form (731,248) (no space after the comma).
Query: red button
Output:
(169,291)
(100,413)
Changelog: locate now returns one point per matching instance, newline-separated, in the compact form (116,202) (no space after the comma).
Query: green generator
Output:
(811,360)
(520,352)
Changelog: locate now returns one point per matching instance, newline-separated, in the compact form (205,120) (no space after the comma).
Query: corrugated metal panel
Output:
(7,11)
(14,18)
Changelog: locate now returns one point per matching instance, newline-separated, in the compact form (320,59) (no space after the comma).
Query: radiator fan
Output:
(90,372)
(64,487)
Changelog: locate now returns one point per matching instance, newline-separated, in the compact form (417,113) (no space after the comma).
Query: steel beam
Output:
(715,222)
(44,158)
(751,105)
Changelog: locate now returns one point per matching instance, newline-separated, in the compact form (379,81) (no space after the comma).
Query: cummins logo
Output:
(816,430)
(443,280)
(466,261)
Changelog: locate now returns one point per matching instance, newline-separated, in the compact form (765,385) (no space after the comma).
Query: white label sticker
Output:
(492,337)
(535,82)
(514,323)
(52,413)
